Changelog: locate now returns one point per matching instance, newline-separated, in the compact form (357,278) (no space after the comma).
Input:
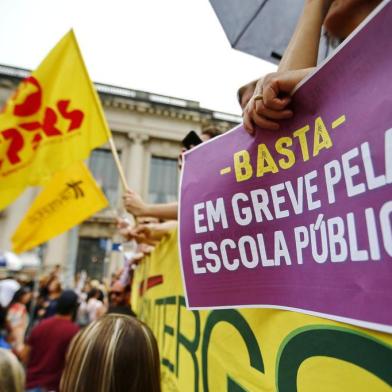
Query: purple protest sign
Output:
(301,219)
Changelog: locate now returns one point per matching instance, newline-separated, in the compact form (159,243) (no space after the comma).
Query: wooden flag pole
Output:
(118,164)
(119,168)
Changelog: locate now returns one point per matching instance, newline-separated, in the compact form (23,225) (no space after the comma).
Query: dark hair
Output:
(101,295)
(3,317)
(67,303)
(92,293)
(243,88)
(54,279)
(19,294)
(95,293)
(211,131)
(116,353)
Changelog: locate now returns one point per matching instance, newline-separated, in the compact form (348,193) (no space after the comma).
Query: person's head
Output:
(54,286)
(93,293)
(345,15)
(115,353)
(96,293)
(23,296)
(245,92)
(23,279)
(101,295)
(94,283)
(67,303)
(119,294)
(209,133)
(87,287)
(12,376)
(206,134)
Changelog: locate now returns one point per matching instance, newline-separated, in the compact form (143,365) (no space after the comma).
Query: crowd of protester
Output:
(88,338)
(38,326)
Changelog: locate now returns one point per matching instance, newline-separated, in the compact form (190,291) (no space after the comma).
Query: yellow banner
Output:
(52,120)
(70,197)
(8,195)
(250,350)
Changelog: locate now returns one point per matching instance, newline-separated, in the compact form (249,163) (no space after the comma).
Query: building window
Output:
(91,256)
(105,172)
(163,186)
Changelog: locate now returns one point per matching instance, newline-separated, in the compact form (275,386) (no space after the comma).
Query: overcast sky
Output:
(171,47)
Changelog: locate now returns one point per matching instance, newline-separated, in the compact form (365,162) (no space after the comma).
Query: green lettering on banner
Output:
(232,386)
(190,345)
(234,318)
(341,343)
(158,319)
(167,330)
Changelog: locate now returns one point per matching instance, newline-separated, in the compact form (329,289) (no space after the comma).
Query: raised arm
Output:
(136,206)
(271,96)
(303,47)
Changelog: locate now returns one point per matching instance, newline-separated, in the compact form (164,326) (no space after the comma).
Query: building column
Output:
(135,162)
(57,252)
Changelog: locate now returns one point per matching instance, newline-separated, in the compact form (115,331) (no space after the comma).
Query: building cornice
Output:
(143,102)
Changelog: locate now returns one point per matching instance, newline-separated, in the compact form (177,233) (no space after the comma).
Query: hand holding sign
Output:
(270,99)
(301,219)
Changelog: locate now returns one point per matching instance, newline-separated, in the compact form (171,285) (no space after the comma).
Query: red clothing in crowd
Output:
(49,342)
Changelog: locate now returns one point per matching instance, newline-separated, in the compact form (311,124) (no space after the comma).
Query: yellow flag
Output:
(70,197)
(8,195)
(52,120)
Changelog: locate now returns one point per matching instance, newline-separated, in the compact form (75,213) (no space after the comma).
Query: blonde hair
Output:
(113,354)
(12,376)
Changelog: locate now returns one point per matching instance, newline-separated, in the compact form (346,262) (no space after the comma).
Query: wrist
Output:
(145,209)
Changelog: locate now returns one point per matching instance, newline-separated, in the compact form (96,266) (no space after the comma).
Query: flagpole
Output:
(118,163)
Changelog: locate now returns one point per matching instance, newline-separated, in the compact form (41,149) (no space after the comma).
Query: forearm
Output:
(162,211)
(159,230)
(302,50)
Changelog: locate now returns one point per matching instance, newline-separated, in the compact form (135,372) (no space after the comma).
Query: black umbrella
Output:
(262,28)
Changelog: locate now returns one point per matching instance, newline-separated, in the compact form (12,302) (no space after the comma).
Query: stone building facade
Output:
(147,129)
